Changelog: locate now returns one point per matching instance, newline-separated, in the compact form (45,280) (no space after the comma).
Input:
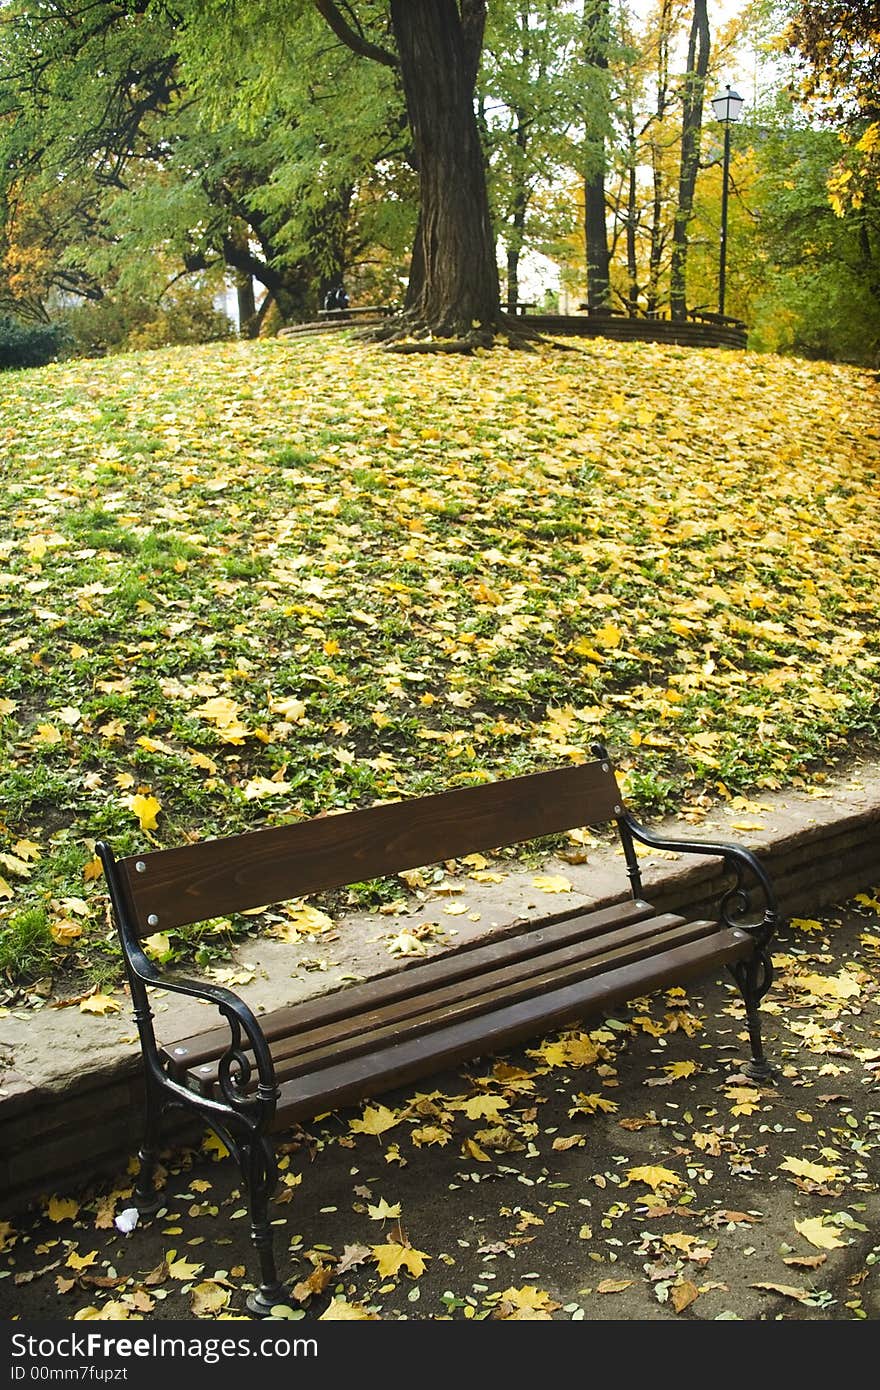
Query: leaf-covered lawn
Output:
(249,582)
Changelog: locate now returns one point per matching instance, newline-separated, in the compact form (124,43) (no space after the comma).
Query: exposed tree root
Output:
(405,333)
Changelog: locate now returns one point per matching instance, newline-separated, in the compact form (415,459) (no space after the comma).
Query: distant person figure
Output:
(336,298)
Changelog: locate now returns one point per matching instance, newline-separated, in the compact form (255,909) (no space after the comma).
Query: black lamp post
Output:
(727,108)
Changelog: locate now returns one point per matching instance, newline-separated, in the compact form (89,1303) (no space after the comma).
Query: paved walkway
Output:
(653,1182)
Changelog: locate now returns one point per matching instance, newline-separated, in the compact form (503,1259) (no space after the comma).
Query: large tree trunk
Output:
(691,121)
(596,239)
(439,43)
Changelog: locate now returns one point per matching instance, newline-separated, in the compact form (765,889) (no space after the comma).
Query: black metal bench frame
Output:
(249,1078)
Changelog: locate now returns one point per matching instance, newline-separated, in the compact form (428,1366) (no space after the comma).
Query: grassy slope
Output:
(254,580)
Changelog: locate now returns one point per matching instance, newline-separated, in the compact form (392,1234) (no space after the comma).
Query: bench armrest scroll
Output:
(235,1068)
(744,865)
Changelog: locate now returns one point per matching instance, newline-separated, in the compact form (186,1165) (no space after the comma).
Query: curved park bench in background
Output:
(249,1077)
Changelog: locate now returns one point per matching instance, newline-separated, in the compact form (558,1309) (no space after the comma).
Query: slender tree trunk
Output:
(519,203)
(658,234)
(439,43)
(632,214)
(691,122)
(596,22)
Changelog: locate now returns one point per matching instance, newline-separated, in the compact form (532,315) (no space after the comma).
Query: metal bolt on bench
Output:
(247,1079)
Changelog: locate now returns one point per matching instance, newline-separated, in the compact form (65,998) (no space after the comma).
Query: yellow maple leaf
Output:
(383,1211)
(609,635)
(75,1261)
(376,1119)
(258,788)
(183,1268)
(804,1168)
(654,1176)
(551,883)
(6,889)
(64,931)
(817,1233)
(114,1311)
(680,1069)
(146,808)
(406,944)
(429,1134)
(62,1208)
(208,1298)
(340,1310)
(481,1107)
(99,1004)
(391,1258)
(589,1104)
(157,946)
(527,1296)
(212,1143)
(745,1099)
(8,1235)
(47,733)
(840,986)
(27,849)
(570,1052)
(292,710)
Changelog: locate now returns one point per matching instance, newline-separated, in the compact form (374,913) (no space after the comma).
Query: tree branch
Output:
(353,40)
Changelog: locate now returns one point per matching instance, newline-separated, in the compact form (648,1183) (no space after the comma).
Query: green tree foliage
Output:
(157,175)
(810,274)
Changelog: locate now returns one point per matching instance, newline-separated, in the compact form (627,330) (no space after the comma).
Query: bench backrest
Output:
(212,878)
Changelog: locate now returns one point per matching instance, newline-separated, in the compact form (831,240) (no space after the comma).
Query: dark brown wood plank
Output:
(440,1009)
(531,939)
(352,1080)
(483,991)
(216,877)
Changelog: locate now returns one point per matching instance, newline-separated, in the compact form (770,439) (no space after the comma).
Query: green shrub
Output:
(120,323)
(29,344)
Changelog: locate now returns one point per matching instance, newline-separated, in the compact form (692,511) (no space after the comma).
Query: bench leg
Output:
(753,977)
(145,1196)
(260,1175)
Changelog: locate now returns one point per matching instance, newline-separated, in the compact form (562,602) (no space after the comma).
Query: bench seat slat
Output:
(498,989)
(349,1080)
(534,972)
(435,1010)
(524,940)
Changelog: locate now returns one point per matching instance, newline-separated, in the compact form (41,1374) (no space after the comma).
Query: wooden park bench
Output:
(249,1077)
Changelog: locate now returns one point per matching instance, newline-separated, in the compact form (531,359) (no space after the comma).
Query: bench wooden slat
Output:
(216,877)
(499,987)
(408,980)
(354,1079)
(481,993)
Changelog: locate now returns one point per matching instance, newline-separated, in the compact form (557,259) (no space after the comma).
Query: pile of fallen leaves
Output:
(627,1170)
(254,581)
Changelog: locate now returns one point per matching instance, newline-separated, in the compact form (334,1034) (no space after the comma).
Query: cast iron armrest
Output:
(235,1068)
(741,861)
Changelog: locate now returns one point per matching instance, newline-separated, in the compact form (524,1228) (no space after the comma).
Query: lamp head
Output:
(728,105)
